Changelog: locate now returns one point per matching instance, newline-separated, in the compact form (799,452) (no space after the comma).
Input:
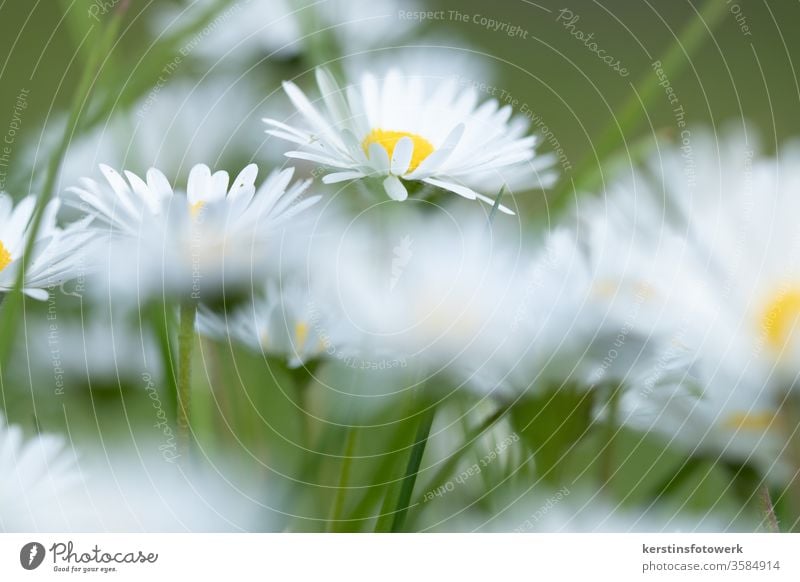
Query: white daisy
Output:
(402,129)
(257,29)
(217,234)
(485,308)
(719,262)
(58,254)
(168,128)
(36,473)
(288,320)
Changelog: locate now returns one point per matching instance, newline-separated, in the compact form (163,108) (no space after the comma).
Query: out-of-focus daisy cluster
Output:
(254,289)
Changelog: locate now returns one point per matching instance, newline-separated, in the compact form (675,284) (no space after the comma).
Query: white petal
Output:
(401,156)
(378,158)
(198,187)
(337,177)
(452,187)
(395,189)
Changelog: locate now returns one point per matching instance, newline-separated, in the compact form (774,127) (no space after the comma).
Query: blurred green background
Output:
(737,74)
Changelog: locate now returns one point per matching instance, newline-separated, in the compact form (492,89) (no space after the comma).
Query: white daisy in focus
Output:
(288,320)
(719,262)
(58,254)
(404,130)
(215,235)
(37,473)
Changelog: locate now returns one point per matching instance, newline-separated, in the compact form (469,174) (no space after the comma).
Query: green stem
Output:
(412,469)
(769,509)
(448,468)
(12,307)
(162,323)
(185,345)
(607,455)
(344,478)
(630,117)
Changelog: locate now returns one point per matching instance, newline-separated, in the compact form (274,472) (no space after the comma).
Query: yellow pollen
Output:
(195,208)
(388,140)
(758,421)
(5,257)
(780,317)
(300,334)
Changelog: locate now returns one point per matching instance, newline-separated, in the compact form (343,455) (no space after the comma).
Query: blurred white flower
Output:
(133,491)
(100,349)
(404,129)
(37,473)
(289,319)
(494,312)
(58,254)
(169,129)
(580,511)
(255,29)
(709,240)
(193,245)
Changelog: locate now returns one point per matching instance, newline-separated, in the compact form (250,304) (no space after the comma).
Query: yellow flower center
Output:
(194,209)
(300,334)
(5,257)
(779,318)
(756,421)
(388,140)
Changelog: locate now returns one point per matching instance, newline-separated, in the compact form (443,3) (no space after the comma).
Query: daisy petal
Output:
(395,189)
(401,156)
(459,189)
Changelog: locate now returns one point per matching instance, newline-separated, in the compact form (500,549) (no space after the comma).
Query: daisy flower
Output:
(58,254)
(36,473)
(497,314)
(258,29)
(709,231)
(165,129)
(288,320)
(403,130)
(217,234)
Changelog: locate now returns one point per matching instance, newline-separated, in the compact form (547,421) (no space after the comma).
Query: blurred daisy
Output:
(403,130)
(166,129)
(256,29)
(58,254)
(487,309)
(37,473)
(288,320)
(713,240)
(101,349)
(216,234)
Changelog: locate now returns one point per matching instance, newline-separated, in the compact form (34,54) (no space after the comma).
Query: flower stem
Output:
(185,345)
(412,469)
(768,508)
(607,455)
(449,466)
(344,477)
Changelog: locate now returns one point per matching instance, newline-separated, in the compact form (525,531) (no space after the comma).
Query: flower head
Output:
(288,320)
(58,254)
(35,473)
(216,234)
(712,240)
(401,129)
